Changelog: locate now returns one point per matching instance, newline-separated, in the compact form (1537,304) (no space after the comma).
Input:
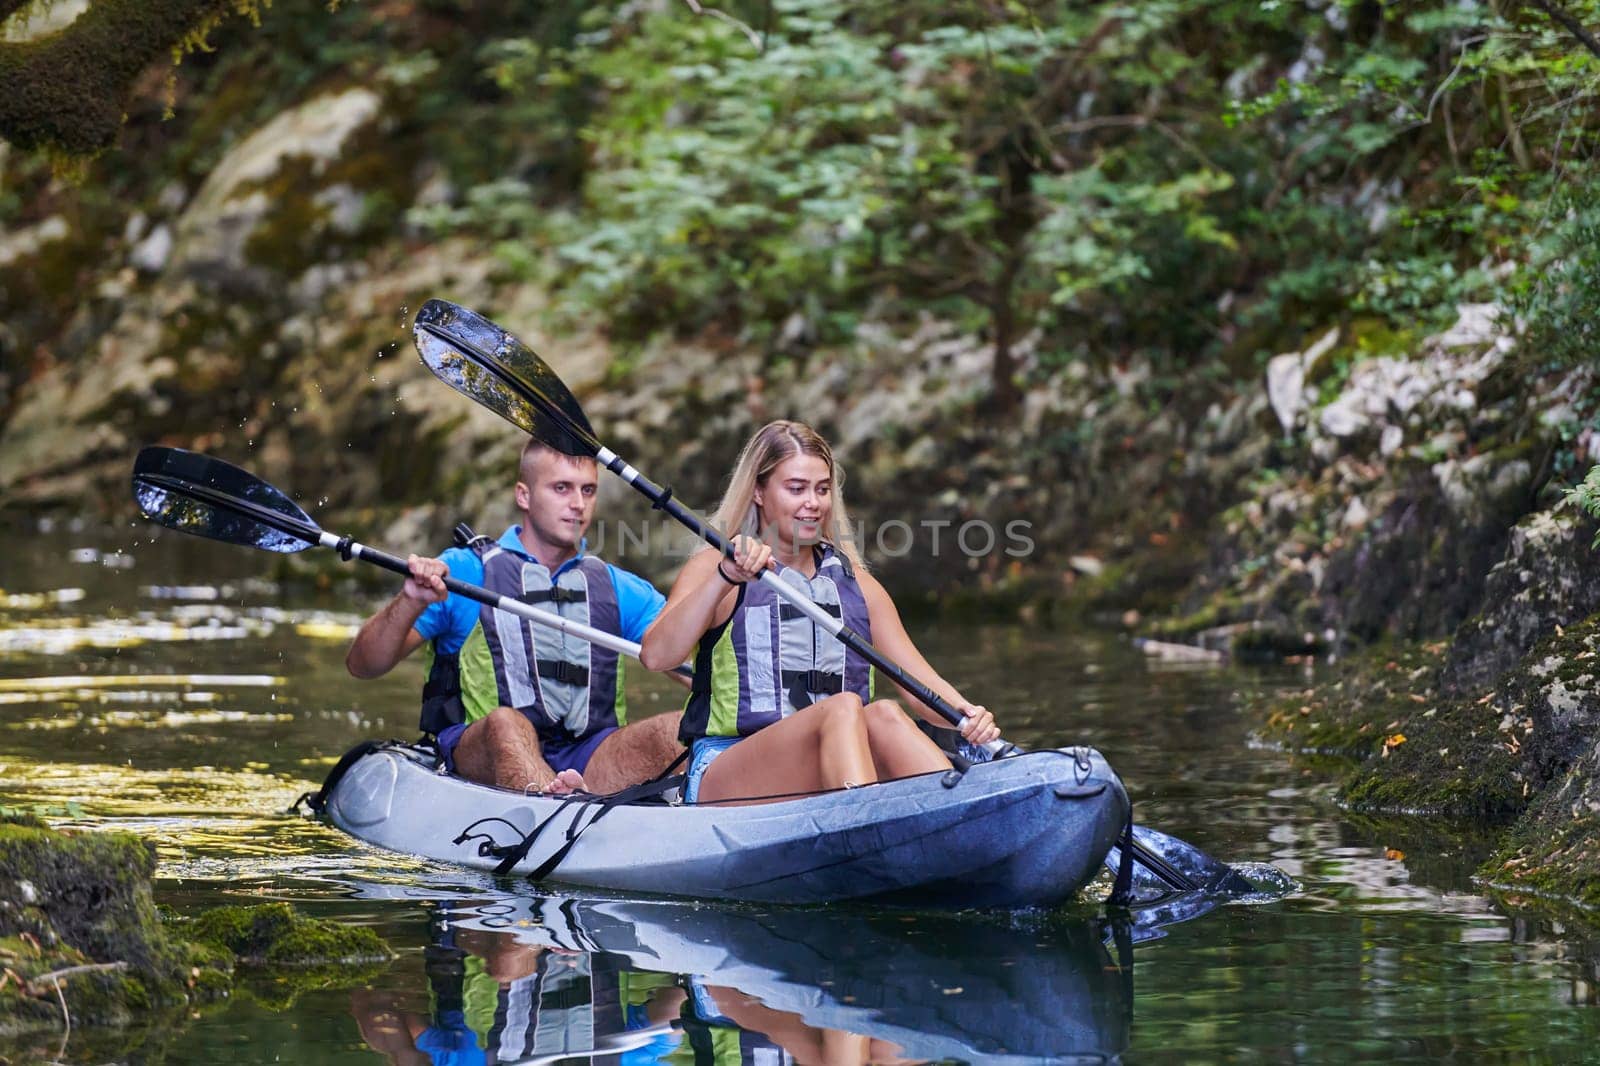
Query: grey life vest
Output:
(768,660)
(567,687)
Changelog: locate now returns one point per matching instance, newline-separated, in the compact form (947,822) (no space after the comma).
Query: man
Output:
(514,704)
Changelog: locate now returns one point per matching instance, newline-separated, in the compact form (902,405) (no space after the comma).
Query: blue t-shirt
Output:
(449,622)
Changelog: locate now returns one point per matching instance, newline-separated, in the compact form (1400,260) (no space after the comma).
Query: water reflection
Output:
(539,979)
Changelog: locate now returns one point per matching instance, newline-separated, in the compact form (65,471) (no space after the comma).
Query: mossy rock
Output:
(1549,857)
(78,925)
(1517,759)
(90,891)
(273,934)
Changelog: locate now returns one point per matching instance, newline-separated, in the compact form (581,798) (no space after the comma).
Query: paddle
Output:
(206,497)
(487,364)
(1165,864)
(482,361)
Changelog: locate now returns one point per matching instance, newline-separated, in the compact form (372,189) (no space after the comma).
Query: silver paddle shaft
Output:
(504,603)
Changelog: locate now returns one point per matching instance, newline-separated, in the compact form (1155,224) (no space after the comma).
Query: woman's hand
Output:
(750,557)
(978,727)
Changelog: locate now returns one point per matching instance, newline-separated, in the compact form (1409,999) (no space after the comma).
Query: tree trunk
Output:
(1002,309)
(67,92)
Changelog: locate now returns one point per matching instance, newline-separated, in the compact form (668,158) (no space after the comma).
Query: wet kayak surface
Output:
(173,688)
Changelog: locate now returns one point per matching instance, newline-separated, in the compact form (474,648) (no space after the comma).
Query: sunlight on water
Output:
(154,720)
(84,682)
(69,636)
(33,601)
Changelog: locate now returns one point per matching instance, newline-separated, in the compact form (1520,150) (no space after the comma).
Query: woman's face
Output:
(796,501)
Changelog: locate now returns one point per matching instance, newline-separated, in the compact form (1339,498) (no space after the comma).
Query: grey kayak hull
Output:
(1019,832)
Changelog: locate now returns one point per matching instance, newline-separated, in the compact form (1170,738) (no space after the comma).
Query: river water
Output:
(172,688)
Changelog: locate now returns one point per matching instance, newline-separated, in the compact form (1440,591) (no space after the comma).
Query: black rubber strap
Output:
(654,787)
(564,672)
(555,595)
(1122,888)
(788,612)
(318,799)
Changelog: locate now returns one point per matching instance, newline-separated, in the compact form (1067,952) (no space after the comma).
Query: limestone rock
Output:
(225,212)
(1547,578)
(150,255)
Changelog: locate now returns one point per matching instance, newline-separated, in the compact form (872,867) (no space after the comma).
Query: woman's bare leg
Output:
(822,747)
(899,747)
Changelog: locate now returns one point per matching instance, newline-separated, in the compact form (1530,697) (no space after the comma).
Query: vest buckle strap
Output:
(788,612)
(555,595)
(814,682)
(566,673)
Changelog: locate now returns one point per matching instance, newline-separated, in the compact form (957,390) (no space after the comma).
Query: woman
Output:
(779,706)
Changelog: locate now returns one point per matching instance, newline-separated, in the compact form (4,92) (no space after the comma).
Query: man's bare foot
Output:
(566,782)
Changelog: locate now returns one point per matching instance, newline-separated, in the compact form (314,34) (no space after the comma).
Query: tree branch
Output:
(722,16)
(38,986)
(1572,25)
(69,91)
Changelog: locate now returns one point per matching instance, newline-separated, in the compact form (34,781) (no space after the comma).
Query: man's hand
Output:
(978,727)
(426,583)
(389,636)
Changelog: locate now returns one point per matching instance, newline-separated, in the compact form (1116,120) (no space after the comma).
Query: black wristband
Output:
(723,575)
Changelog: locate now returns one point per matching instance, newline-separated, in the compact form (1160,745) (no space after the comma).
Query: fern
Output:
(1586,495)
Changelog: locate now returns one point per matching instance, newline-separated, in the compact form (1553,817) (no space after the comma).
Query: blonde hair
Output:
(772,444)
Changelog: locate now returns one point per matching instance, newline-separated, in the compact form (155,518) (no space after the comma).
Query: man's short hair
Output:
(535,447)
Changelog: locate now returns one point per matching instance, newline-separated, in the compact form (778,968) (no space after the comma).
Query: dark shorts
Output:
(574,756)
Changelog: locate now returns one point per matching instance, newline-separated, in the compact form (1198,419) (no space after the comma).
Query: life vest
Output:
(768,660)
(719,1041)
(570,1005)
(567,687)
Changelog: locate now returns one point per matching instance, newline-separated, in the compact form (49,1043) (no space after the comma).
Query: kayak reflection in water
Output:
(498,1000)
(781,706)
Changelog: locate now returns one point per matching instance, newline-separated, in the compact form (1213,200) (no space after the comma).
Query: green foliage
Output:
(1586,496)
(1178,178)
(1195,180)
(1560,291)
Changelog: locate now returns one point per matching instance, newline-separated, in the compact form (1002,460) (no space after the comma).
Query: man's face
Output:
(556,497)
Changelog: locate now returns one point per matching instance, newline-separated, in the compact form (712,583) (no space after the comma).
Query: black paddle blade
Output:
(207,497)
(480,360)
(1157,853)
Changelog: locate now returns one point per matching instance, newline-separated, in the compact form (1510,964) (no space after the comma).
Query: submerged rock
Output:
(1520,757)
(273,934)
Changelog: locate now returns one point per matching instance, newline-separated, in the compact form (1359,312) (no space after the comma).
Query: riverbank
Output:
(82,944)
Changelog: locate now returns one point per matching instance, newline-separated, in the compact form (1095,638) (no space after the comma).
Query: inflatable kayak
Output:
(1025,831)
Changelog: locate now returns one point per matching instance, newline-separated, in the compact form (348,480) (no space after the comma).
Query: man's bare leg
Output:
(634,754)
(502,749)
